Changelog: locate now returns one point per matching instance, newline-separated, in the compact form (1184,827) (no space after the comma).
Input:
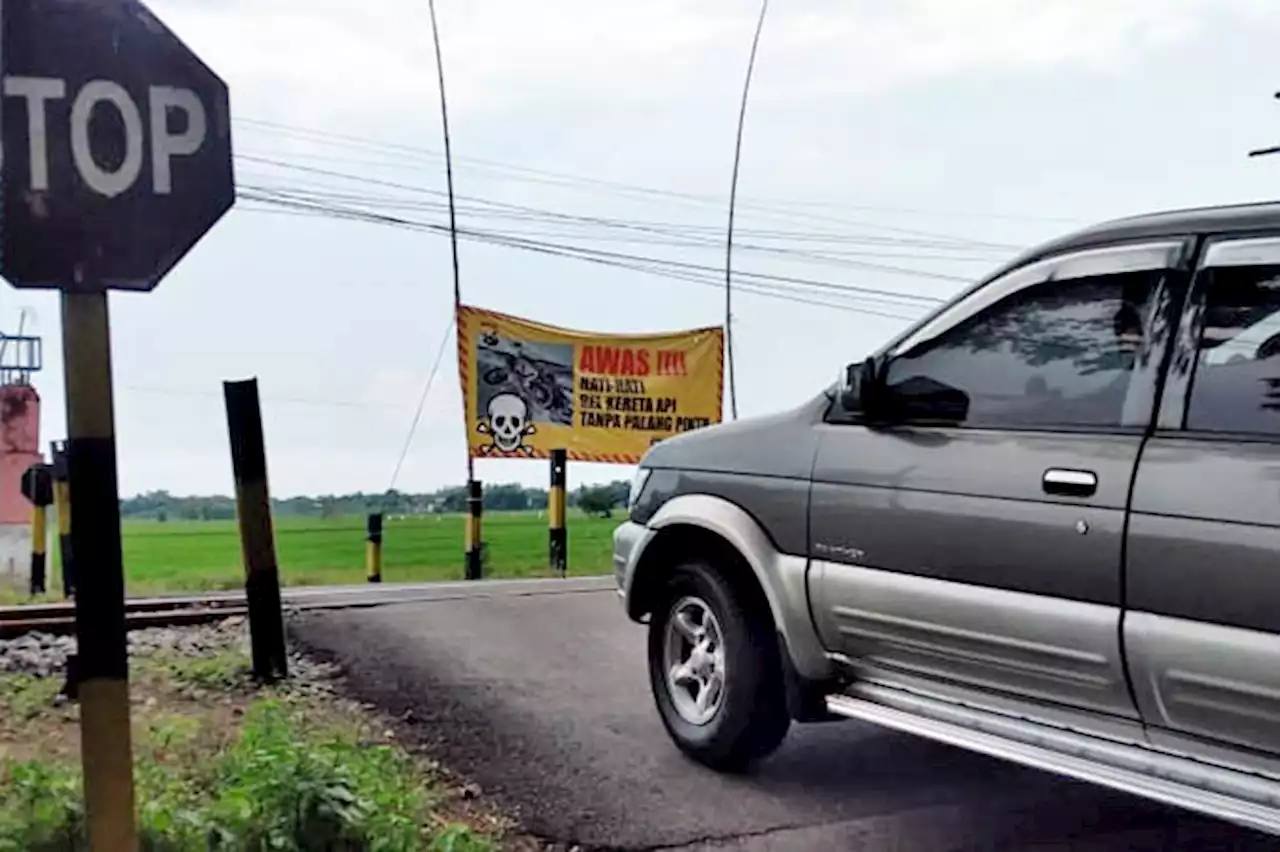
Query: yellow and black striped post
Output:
(475,508)
(556,497)
(106,742)
(62,507)
(37,487)
(373,551)
(39,542)
(257,537)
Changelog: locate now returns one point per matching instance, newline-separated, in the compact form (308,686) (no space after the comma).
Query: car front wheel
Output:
(715,670)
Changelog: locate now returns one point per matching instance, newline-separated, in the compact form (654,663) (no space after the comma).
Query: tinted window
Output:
(1054,354)
(1236,386)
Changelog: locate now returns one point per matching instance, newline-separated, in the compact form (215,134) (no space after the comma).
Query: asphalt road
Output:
(540,696)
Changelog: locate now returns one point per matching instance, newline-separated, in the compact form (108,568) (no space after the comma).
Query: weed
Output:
(292,780)
(226,670)
(459,838)
(40,807)
(23,697)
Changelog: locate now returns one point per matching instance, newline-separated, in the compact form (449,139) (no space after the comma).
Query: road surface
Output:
(540,696)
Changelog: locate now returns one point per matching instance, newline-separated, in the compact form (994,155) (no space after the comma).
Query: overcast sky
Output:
(935,136)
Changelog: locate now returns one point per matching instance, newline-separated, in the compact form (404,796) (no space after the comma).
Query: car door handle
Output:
(1074,483)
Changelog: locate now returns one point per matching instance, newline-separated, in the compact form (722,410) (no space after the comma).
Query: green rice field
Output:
(176,556)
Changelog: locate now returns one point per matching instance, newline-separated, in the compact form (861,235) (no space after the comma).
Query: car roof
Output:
(1261,215)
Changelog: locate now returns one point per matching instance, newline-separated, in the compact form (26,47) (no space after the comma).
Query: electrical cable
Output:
(272,161)
(601,256)
(879,267)
(675,229)
(422,400)
(411,153)
(774,291)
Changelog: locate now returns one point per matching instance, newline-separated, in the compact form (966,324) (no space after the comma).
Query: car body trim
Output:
(1229,251)
(1221,683)
(1090,722)
(1239,797)
(1036,646)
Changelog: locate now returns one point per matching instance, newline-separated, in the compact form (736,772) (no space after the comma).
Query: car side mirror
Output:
(859,386)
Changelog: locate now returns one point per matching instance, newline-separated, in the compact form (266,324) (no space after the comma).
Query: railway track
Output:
(139,613)
(168,611)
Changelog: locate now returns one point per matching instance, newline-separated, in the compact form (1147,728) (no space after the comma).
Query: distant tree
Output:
(452,500)
(498,497)
(597,500)
(506,498)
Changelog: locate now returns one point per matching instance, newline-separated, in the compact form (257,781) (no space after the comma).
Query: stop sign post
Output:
(117,159)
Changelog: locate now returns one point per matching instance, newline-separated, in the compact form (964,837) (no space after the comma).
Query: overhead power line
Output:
(642,264)
(585,253)
(827,259)
(403,154)
(571,217)
(644,231)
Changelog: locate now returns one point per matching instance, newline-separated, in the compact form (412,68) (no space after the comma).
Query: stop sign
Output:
(116,141)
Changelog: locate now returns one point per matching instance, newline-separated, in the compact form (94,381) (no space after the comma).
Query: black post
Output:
(62,505)
(257,538)
(559,535)
(373,553)
(475,508)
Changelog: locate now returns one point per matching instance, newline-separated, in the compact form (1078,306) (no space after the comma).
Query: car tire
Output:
(747,718)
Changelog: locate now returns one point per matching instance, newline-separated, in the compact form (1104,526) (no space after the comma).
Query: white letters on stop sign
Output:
(105,94)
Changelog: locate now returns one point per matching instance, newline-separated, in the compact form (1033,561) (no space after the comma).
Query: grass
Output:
(175,556)
(223,765)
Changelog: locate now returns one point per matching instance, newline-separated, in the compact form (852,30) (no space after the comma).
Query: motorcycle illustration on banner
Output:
(529,388)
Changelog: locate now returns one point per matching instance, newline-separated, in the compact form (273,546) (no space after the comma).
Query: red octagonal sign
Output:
(117,146)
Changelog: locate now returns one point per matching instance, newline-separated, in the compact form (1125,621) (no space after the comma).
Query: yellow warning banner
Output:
(529,388)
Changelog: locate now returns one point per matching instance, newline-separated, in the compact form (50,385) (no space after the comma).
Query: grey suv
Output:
(1043,523)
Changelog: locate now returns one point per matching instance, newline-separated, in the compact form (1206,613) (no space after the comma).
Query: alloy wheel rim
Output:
(694,660)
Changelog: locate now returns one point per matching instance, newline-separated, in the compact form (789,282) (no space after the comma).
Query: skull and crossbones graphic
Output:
(507,425)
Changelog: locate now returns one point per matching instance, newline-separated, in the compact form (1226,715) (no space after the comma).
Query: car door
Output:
(1202,626)
(984,549)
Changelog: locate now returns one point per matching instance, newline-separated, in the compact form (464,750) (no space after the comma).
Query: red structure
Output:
(19,448)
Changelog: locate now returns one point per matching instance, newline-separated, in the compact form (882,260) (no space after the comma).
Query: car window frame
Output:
(1172,254)
(1218,250)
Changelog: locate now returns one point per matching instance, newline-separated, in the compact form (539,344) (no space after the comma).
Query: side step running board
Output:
(1238,797)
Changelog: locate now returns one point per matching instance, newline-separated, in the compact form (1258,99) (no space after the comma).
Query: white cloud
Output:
(321,59)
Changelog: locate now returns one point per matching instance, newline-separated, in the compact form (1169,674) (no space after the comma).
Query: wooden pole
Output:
(106,746)
(257,537)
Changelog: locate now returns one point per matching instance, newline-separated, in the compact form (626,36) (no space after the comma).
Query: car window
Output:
(1054,354)
(1236,384)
